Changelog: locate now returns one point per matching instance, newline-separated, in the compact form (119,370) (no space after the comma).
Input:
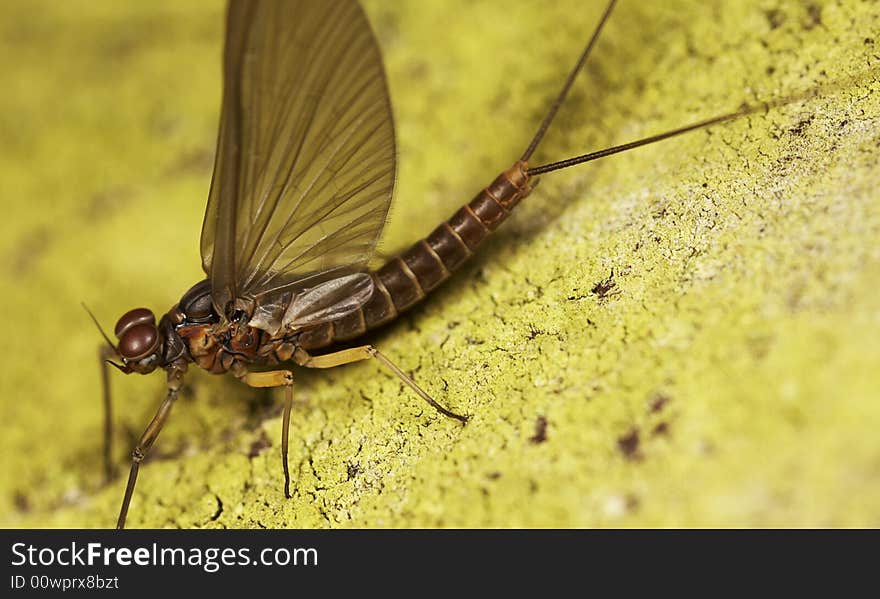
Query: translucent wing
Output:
(305,160)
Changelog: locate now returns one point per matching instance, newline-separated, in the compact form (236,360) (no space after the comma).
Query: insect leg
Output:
(105,353)
(175,371)
(365,352)
(285,432)
(274,378)
(141,449)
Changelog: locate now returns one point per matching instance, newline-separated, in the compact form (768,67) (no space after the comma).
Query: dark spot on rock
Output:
(814,16)
(605,287)
(760,346)
(869,41)
(418,70)
(30,249)
(660,429)
(540,431)
(260,444)
(775,18)
(195,161)
(493,475)
(104,203)
(705,447)
(534,333)
(770,70)
(352,470)
(500,101)
(578,296)
(628,444)
(801,126)
(657,403)
(20,501)
(632,502)
(219,509)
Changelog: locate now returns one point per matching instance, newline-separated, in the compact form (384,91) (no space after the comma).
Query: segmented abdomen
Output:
(406,279)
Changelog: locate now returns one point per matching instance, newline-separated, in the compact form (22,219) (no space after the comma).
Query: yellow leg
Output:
(275,378)
(365,352)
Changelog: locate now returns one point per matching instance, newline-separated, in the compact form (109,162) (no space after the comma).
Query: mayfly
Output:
(302,183)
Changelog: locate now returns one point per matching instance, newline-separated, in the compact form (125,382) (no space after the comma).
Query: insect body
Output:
(302,183)
(193,331)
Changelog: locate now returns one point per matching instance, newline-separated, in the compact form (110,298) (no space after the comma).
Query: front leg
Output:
(273,378)
(175,381)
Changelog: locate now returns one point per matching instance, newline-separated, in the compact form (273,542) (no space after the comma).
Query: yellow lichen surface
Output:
(681,335)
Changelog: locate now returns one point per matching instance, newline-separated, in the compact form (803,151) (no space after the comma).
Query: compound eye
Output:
(138,342)
(133,318)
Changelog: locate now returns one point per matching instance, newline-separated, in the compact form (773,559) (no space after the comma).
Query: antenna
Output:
(103,334)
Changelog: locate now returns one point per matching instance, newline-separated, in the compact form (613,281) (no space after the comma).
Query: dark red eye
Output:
(133,318)
(138,341)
